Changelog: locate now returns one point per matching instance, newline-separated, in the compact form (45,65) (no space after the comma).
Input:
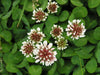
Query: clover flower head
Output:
(61,43)
(39,15)
(36,35)
(52,6)
(27,48)
(75,29)
(56,31)
(45,54)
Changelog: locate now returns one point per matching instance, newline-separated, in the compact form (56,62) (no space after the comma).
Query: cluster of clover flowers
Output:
(41,50)
(75,30)
(39,15)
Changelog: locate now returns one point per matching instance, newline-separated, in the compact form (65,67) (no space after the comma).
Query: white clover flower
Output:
(35,35)
(27,48)
(45,54)
(52,6)
(56,31)
(61,43)
(75,29)
(39,15)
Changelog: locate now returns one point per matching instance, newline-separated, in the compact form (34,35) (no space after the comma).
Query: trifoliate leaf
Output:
(91,38)
(61,61)
(6,35)
(6,47)
(6,4)
(79,71)
(80,42)
(80,12)
(93,3)
(30,59)
(64,16)
(4,23)
(97,33)
(62,2)
(14,48)
(16,2)
(76,2)
(77,60)
(84,52)
(52,70)
(52,19)
(11,68)
(22,64)
(16,13)
(43,4)
(7,15)
(98,10)
(91,65)
(97,53)
(66,69)
(71,17)
(35,70)
(28,6)
(92,24)
(68,52)
(13,58)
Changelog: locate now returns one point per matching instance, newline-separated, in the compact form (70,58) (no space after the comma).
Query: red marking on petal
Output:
(39,15)
(56,31)
(77,30)
(28,49)
(36,37)
(52,7)
(45,53)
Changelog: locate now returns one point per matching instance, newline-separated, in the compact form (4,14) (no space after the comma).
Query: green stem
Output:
(22,13)
(1,65)
(0,41)
(81,65)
